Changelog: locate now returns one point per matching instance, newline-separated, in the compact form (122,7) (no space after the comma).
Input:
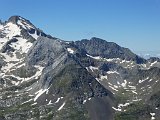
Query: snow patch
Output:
(35,36)
(34,104)
(29,89)
(117,109)
(134,92)
(89,99)
(11,30)
(140,81)
(123,105)
(135,100)
(112,72)
(152,116)
(124,84)
(1,26)
(21,45)
(70,50)
(132,87)
(50,102)
(57,100)
(96,57)
(22,22)
(27,101)
(150,80)
(103,77)
(84,101)
(39,93)
(60,108)
(113,88)
(93,68)
(37,74)
(153,63)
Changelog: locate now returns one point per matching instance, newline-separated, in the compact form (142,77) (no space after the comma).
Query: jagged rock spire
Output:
(14,19)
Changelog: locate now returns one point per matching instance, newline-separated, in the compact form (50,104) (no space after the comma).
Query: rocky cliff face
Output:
(45,78)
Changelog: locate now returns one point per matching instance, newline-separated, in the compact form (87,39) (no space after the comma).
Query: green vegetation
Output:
(71,112)
(135,111)
(24,73)
(155,100)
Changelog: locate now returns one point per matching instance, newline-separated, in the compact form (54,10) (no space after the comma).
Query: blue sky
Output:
(130,23)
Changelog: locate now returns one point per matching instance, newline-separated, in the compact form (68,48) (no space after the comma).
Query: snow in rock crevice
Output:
(61,107)
(22,22)
(70,50)
(152,116)
(141,81)
(39,93)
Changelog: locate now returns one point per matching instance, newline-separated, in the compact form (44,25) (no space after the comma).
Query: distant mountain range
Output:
(45,78)
(148,54)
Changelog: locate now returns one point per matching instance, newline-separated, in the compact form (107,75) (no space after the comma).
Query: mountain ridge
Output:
(43,77)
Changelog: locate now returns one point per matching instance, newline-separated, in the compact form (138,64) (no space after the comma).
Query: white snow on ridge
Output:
(112,59)
(70,50)
(130,64)
(153,63)
(22,22)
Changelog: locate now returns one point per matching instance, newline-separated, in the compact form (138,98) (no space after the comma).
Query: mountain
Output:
(98,47)
(148,54)
(46,78)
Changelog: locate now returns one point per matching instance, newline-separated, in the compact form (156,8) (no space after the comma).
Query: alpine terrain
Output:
(46,78)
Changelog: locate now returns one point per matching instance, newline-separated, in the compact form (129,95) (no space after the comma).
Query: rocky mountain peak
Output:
(0,22)
(22,23)
(14,19)
(18,20)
